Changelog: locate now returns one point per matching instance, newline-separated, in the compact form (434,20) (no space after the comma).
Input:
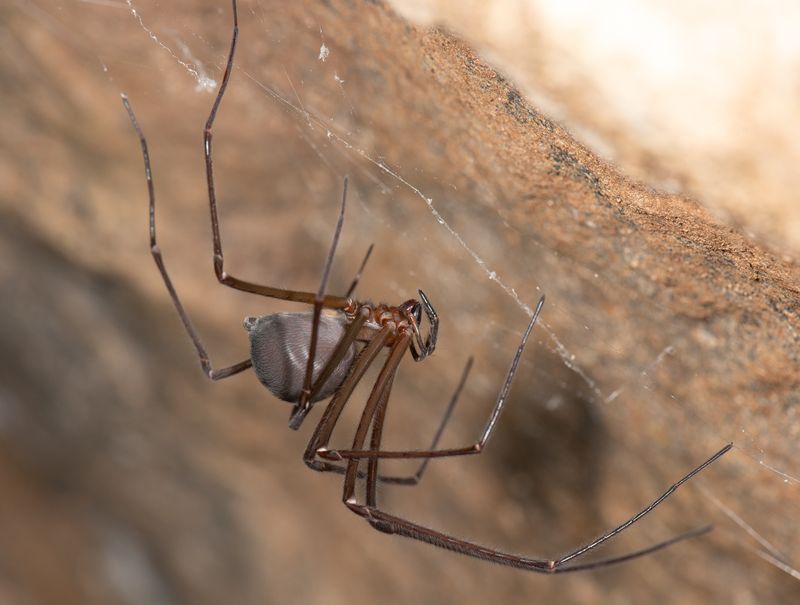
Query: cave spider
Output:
(338,348)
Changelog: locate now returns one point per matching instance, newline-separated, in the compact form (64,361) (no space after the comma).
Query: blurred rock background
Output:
(671,324)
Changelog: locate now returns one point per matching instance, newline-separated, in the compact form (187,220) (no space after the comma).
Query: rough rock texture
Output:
(695,97)
(128,478)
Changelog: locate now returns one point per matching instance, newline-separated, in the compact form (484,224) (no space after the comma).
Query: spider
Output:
(305,357)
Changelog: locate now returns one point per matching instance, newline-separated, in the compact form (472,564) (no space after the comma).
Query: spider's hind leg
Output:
(391,524)
(373,415)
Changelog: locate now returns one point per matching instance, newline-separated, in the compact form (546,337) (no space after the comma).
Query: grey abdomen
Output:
(279,346)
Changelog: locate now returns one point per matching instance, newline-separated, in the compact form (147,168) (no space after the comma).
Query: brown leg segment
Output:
(303,406)
(333,410)
(335,302)
(391,524)
(382,383)
(205,363)
(360,271)
(410,480)
(417,477)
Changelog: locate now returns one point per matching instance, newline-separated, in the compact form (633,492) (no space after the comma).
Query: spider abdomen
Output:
(279,349)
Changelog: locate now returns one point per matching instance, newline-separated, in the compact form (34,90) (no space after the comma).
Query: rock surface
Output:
(128,478)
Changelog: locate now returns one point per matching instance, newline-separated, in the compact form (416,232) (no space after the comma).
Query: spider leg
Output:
(336,302)
(692,533)
(417,477)
(395,525)
(373,414)
(391,524)
(299,412)
(476,447)
(357,278)
(377,433)
(375,438)
(205,363)
(324,429)
(409,480)
(303,406)
(623,526)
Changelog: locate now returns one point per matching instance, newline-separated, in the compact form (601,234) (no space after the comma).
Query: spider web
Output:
(187,68)
(341,143)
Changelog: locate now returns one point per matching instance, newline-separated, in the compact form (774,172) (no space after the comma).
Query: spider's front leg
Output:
(475,448)
(391,524)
